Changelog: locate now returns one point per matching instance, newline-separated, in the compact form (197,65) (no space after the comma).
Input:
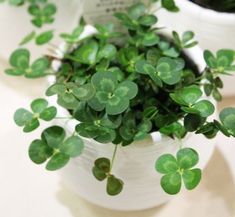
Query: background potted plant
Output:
(213,23)
(29,18)
(127,107)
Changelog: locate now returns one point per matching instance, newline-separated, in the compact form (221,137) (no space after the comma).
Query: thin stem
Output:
(63,117)
(113,158)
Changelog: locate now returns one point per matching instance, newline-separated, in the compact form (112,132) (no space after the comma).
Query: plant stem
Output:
(63,117)
(113,157)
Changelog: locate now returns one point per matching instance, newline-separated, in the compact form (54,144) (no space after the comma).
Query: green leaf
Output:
(225,58)
(28,38)
(192,122)
(188,95)
(108,51)
(73,146)
(127,89)
(20,58)
(54,136)
(48,114)
(22,117)
(171,183)
(116,105)
(210,59)
(227,117)
(99,174)
(105,81)
(170,5)
(169,70)
(114,185)
(57,161)
(166,163)
(205,108)
(103,164)
(44,37)
(191,178)
(84,92)
(49,10)
(39,105)
(144,67)
(187,158)
(39,151)
(39,67)
(136,10)
(147,20)
(87,53)
(150,39)
(32,125)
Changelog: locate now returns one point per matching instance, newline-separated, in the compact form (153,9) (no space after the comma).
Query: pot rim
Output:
(224,18)
(195,53)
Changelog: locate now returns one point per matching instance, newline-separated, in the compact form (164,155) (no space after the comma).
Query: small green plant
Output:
(218,5)
(120,94)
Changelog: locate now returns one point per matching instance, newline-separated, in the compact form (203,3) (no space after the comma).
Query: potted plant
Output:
(212,22)
(131,111)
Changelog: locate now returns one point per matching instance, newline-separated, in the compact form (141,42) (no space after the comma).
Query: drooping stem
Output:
(113,157)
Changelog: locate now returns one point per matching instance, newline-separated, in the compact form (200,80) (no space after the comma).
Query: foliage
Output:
(121,93)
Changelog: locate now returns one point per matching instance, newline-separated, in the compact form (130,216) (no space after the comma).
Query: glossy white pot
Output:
(134,164)
(15,24)
(214,30)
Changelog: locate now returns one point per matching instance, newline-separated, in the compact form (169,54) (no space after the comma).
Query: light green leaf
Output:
(54,136)
(44,37)
(38,105)
(166,163)
(28,38)
(171,183)
(57,161)
(187,158)
(73,146)
(20,58)
(22,117)
(227,117)
(191,178)
(87,53)
(205,108)
(39,151)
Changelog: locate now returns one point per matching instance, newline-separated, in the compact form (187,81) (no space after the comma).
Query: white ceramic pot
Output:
(15,24)
(214,30)
(134,164)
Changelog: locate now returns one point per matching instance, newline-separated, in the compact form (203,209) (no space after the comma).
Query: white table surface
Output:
(27,190)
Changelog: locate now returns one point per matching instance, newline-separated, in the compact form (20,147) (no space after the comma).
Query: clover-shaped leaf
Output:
(101,170)
(186,41)
(20,61)
(176,169)
(53,148)
(110,95)
(187,95)
(42,14)
(74,36)
(30,120)
(170,70)
(222,62)
(69,94)
(87,53)
(227,117)
(188,98)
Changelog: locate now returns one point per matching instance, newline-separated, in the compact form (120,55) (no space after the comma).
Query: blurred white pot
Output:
(214,30)
(134,164)
(15,24)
